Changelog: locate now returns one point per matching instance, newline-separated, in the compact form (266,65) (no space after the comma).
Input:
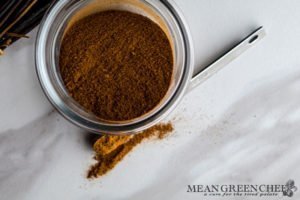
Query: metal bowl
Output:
(65,12)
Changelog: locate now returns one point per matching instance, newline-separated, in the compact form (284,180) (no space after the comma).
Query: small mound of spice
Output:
(116,64)
(110,150)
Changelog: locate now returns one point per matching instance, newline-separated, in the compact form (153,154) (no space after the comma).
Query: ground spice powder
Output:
(116,64)
(110,150)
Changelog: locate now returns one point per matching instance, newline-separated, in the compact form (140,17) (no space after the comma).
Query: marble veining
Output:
(240,127)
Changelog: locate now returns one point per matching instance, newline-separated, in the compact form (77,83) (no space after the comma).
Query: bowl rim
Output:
(91,126)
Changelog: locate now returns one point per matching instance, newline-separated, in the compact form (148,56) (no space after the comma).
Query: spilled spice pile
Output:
(116,64)
(110,150)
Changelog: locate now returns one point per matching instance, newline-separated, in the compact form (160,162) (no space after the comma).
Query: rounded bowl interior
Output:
(64,14)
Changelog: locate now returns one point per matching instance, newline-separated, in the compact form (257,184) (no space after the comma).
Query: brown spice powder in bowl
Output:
(116,64)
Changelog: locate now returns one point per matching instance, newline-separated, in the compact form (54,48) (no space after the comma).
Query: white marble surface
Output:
(241,126)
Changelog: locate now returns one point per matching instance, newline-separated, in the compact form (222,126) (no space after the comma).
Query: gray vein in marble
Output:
(236,141)
(24,153)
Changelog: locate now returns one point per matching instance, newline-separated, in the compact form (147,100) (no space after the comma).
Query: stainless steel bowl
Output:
(165,13)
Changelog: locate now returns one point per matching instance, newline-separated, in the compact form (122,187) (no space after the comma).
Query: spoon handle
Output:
(232,54)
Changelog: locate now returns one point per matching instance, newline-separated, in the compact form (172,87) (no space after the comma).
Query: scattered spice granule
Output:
(110,150)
